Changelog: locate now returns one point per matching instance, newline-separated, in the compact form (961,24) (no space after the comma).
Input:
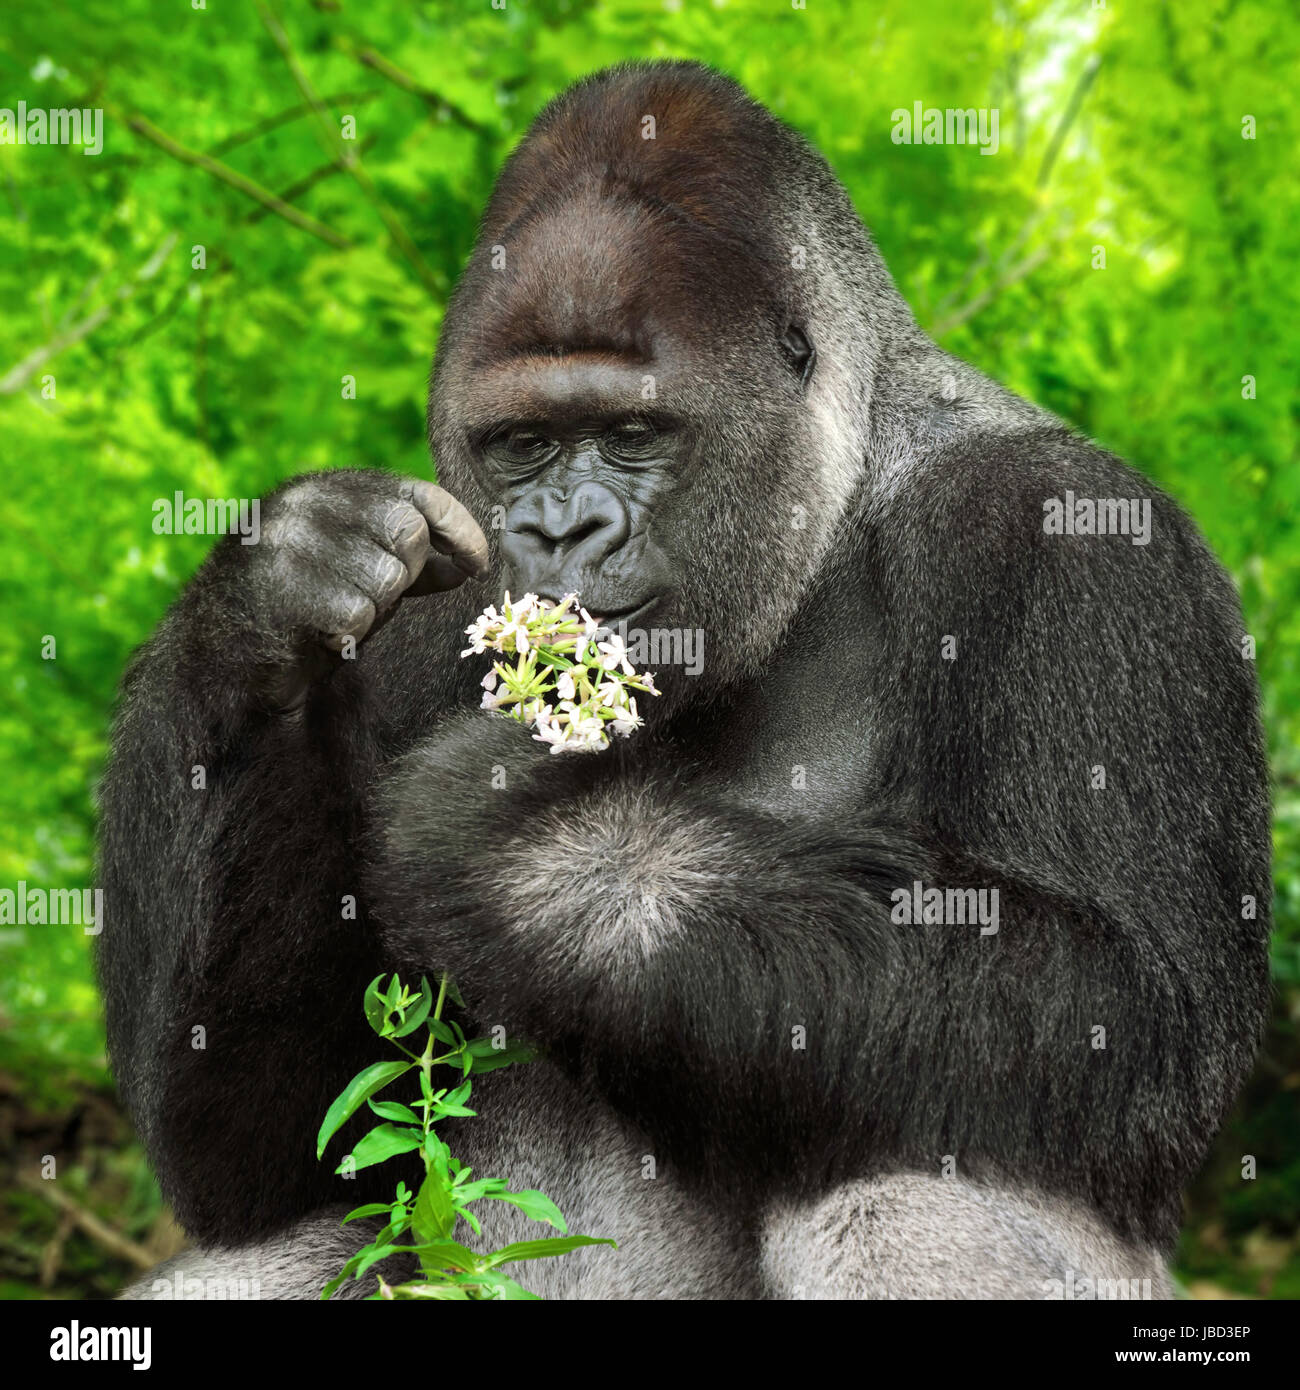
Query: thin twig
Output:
(348,158)
(292,113)
(17,377)
(438,104)
(52,1255)
(986,297)
(1005,277)
(1086,78)
(318,175)
(234,179)
(100,1231)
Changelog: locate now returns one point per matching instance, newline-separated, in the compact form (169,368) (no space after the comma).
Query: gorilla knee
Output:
(297,1264)
(912,1236)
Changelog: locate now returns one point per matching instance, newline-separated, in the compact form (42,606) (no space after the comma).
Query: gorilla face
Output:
(580,492)
(627,392)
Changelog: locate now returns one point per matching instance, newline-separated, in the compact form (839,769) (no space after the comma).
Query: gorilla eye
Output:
(632,441)
(520,446)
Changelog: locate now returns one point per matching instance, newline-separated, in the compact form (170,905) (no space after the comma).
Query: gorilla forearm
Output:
(736,985)
(232,814)
(224,913)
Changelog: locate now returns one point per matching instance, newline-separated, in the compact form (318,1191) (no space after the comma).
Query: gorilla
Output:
(677,379)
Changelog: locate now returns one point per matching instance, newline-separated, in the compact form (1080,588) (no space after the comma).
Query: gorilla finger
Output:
(452,531)
(405,531)
(352,617)
(359,563)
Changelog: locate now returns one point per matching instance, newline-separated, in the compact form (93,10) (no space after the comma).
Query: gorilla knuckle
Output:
(388,575)
(349,614)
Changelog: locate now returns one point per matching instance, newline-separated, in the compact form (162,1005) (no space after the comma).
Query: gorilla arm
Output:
(231,812)
(734,982)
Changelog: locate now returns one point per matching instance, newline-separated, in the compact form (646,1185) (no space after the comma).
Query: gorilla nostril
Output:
(580,533)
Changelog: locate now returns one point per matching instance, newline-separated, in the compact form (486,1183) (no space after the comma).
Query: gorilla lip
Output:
(623,615)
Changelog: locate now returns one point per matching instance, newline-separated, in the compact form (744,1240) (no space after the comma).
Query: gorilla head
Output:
(653,378)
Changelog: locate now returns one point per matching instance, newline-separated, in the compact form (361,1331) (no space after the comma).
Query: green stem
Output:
(442,995)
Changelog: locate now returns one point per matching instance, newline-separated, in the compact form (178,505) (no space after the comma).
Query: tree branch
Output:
(17,377)
(234,179)
(439,105)
(292,113)
(317,175)
(1025,267)
(1086,78)
(348,158)
(986,297)
(99,1231)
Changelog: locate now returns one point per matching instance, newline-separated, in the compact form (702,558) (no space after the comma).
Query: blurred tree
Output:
(181,312)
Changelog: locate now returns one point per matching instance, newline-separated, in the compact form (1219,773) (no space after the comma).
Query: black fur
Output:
(752,905)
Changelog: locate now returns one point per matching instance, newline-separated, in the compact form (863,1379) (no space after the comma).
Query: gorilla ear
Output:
(800,352)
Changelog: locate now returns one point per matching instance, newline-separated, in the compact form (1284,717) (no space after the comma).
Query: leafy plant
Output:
(423,1223)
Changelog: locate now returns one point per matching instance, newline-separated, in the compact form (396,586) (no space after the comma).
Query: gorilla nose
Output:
(554,539)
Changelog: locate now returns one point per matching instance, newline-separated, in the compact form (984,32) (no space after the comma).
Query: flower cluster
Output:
(570,688)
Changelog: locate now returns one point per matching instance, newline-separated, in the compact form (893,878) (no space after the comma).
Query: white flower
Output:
(611,694)
(536,637)
(613,654)
(478,632)
(627,721)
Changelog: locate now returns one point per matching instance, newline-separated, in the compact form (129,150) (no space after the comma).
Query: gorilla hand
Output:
(337,552)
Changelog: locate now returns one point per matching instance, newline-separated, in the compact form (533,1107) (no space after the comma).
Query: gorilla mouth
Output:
(611,617)
(614,617)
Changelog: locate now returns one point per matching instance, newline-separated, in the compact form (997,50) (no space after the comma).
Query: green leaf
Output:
(504,1288)
(376,1005)
(394,1110)
(342,1276)
(495,1057)
(377,1253)
(438,1154)
(418,1012)
(542,1249)
(384,1141)
(371,1209)
(467,1192)
(355,1094)
(534,1204)
(443,1110)
(439,1253)
(434,1215)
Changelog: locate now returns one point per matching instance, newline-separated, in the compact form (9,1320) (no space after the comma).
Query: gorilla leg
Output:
(910,1235)
(297,1263)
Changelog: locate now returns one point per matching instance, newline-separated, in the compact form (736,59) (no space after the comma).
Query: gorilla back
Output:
(677,379)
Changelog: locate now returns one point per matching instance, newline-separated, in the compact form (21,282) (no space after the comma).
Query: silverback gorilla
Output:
(677,379)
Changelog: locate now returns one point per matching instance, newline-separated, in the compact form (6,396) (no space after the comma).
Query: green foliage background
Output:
(1121,127)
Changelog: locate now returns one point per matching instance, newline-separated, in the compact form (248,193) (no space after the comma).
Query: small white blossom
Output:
(591,692)
(613,655)
(627,721)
